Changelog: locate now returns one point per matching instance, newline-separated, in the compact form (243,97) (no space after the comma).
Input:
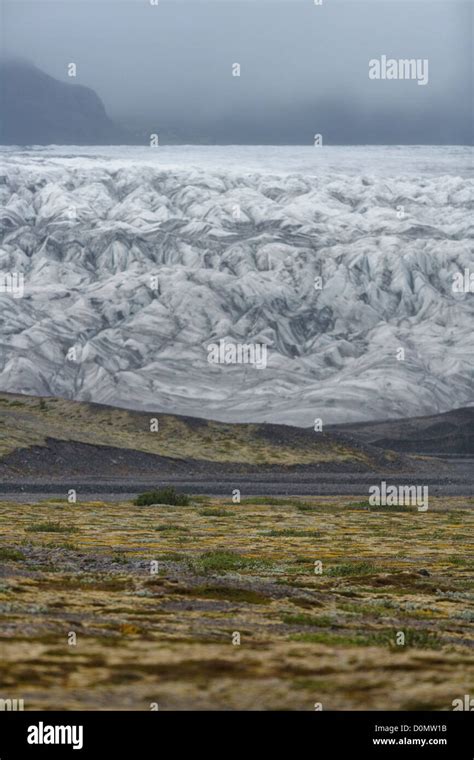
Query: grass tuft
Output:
(50,527)
(168,496)
(11,554)
(222,561)
(353,568)
(216,513)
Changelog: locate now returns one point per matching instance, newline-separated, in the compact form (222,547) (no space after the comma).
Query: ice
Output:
(141,258)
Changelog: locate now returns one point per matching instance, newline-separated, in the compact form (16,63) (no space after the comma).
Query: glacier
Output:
(138,259)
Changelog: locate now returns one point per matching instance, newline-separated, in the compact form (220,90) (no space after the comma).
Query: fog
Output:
(304,67)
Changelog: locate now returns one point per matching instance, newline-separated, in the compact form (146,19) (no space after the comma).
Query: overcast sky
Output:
(304,68)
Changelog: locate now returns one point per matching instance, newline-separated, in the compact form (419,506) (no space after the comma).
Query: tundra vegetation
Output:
(156,594)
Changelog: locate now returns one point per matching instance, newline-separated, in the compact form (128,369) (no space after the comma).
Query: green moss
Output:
(11,554)
(293,532)
(416,639)
(323,637)
(391,508)
(275,501)
(461,561)
(228,594)
(353,568)
(119,558)
(222,561)
(371,610)
(50,527)
(216,513)
(315,685)
(171,528)
(65,545)
(321,621)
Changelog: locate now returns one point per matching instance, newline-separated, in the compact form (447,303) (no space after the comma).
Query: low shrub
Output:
(168,496)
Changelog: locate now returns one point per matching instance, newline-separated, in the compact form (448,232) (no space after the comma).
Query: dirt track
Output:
(447,478)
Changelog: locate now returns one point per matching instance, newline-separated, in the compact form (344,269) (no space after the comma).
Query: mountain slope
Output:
(36,109)
(451,433)
(47,428)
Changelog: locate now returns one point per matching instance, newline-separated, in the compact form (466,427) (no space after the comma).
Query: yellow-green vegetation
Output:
(27,421)
(156,596)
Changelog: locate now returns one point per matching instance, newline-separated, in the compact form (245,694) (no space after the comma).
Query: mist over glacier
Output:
(385,229)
